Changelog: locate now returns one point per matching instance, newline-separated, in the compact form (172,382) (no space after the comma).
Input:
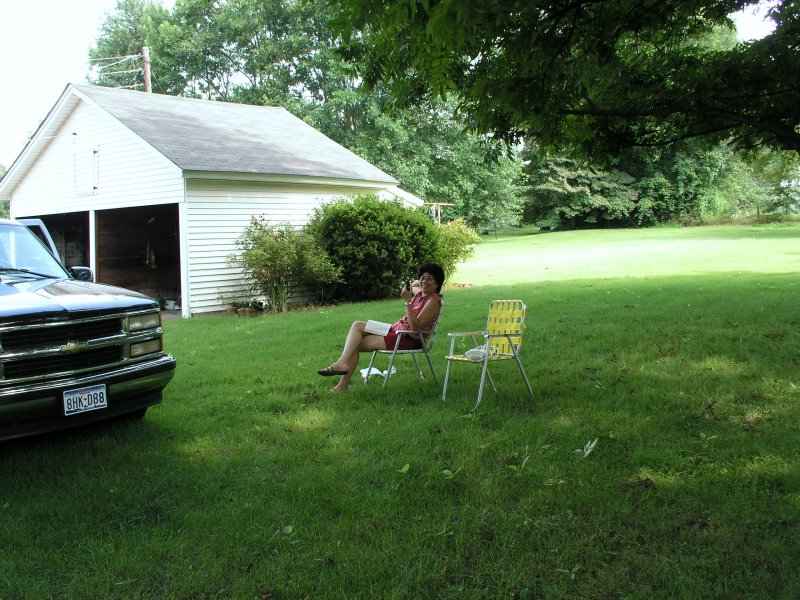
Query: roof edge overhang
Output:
(383,188)
(295,179)
(38,142)
(405,196)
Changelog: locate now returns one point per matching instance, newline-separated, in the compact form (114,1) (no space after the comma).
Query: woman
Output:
(423,304)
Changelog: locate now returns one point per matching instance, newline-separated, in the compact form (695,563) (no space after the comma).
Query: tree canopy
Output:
(589,77)
(288,53)
(284,53)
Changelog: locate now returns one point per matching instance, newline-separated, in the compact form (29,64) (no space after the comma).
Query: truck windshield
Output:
(21,252)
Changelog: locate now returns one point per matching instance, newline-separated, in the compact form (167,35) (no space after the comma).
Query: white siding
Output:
(94,162)
(217,213)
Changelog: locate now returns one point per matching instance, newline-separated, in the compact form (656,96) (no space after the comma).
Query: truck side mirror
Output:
(81,273)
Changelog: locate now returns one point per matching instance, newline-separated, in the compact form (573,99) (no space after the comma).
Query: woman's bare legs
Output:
(356,342)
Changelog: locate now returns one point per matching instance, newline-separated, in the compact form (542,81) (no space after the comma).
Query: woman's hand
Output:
(407,294)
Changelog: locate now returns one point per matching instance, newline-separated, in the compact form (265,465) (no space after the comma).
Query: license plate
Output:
(85,399)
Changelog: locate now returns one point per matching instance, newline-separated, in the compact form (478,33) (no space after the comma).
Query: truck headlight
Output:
(146,321)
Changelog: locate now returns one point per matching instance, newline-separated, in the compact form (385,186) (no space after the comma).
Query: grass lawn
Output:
(674,351)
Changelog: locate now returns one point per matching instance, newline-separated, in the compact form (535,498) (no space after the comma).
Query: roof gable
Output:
(203,135)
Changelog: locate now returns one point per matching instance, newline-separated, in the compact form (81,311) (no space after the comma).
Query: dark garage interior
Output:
(137,248)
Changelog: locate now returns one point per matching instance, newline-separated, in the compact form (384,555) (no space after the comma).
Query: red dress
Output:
(411,341)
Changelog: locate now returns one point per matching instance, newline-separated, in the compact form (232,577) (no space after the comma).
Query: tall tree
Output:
(644,186)
(285,53)
(674,183)
(427,149)
(563,191)
(117,53)
(592,77)
(759,185)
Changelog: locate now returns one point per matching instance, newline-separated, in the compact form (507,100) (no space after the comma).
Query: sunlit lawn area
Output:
(673,351)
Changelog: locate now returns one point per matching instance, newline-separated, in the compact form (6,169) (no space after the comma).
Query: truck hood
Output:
(65,298)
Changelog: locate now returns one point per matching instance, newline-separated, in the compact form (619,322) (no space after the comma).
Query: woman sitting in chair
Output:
(423,304)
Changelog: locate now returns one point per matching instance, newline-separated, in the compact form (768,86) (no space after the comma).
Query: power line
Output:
(119,62)
(115,57)
(105,69)
(121,72)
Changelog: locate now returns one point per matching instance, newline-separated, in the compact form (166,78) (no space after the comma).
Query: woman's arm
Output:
(428,313)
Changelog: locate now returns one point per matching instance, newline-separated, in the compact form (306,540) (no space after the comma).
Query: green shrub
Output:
(459,241)
(277,260)
(376,243)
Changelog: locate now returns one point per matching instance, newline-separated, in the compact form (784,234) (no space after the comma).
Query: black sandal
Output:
(331,372)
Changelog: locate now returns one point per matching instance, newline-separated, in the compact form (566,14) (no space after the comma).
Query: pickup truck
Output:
(71,351)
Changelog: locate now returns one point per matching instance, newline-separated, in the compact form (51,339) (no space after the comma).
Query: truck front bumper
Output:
(28,409)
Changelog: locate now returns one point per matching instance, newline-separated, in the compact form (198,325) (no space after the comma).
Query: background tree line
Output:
(290,53)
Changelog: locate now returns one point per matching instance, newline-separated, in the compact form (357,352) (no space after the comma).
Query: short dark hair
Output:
(436,271)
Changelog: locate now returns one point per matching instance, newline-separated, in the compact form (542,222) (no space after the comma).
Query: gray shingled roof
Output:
(201,135)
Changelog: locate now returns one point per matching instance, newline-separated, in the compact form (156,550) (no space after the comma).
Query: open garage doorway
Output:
(70,233)
(139,248)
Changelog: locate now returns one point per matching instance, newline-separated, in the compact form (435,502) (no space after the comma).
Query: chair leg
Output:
(389,370)
(489,375)
(430,364)
(484,372)
(446,377)
(416,364)
(369,367)
(521,370)
(447,370)
(391,360)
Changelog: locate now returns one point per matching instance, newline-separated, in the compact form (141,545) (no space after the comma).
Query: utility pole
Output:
(146,55)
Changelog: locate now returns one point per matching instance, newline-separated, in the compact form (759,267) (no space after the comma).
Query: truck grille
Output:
(34,351)
(62,363)
(59,335)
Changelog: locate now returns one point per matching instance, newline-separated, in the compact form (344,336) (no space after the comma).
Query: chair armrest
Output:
(467,334)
